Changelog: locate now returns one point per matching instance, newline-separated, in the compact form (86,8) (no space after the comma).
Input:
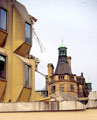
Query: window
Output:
(62,88)
(2,66)
(27,75)
(71,78)
(72,88)
(61,77)
(3,19)
(27,33)
(53,89)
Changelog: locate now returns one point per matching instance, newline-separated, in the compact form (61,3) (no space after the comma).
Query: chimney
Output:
(50,70)
(82,74)
(69,61)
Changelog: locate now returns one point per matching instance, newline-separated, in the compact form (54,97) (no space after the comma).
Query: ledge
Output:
(41,106)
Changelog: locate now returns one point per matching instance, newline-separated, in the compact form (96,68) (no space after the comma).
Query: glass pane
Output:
(2,67)
(2,58)
(62,88)
(3,19)
(27,32)
(26,75)
(72,88)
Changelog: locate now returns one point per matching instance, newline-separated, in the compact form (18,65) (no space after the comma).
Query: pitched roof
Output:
(62,66)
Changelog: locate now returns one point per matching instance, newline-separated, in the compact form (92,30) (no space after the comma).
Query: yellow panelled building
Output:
(17,66)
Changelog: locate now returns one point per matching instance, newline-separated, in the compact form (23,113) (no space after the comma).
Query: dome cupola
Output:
(62,50)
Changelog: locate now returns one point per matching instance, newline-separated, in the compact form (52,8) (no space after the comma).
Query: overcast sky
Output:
(74,21)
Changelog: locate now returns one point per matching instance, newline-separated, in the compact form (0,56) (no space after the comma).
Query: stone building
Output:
(63,80)
(62,84)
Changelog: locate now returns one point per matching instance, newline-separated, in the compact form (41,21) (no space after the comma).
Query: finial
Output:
(62,39)
(62,43)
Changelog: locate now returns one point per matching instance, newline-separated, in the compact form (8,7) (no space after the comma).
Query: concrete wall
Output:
(92,103)
(41,106)
(93,95)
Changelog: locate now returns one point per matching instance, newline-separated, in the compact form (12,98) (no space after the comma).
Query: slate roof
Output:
(62,66)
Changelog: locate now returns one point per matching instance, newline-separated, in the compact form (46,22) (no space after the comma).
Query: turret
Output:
(64,62)
(62,50)
(89,86)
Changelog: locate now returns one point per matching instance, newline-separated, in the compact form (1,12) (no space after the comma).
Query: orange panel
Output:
(25,95)
(3,36)
(2,87)
(23,50)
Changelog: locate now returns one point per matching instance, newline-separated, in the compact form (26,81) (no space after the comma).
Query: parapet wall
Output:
(92,103)
(46,106)
(49,106)
(41,106)
(93,95)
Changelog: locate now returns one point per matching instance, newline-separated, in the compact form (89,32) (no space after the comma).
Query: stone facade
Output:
(63,80)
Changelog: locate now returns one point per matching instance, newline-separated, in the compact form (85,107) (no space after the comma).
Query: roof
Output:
(22,11)
(62,66)
(3,3)
(33,18)
(62,45)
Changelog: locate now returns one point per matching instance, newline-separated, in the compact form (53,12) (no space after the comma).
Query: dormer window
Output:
(3,19)
(27,33)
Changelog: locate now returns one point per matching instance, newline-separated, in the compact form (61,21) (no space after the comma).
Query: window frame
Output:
(53,89)
(25,33)
(61,87)
(61,77)
(4,78)
(6,18)
(29,77)
(71,88)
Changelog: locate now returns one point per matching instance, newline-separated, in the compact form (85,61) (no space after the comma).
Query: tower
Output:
(63,82)
(63,66)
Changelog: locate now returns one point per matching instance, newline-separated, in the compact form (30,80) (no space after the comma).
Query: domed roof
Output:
(62,45)
(89,81)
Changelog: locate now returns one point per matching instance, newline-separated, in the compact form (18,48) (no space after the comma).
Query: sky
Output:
(74,22)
